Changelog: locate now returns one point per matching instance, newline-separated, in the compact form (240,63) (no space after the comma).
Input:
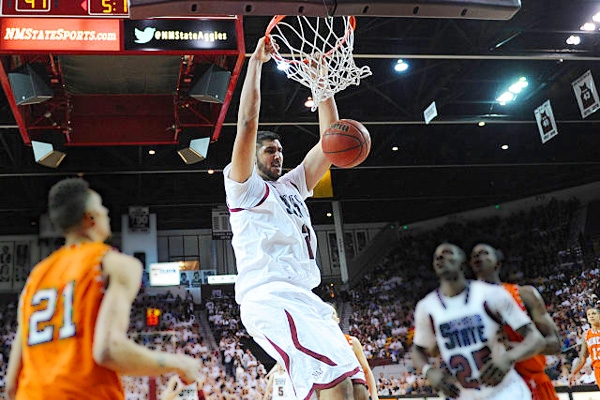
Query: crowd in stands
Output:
(379,308)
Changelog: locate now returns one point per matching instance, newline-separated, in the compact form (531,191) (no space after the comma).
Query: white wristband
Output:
(425,370)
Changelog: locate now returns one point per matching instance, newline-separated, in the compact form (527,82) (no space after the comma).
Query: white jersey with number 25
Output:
(466,330)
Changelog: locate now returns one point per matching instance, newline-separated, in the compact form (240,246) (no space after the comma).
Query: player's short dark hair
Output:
(67,202)
(456,243)
(261,136)
(495,243)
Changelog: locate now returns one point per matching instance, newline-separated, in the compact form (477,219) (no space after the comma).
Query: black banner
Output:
(186,34)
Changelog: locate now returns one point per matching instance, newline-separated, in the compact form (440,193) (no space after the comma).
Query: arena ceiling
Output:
(448,166)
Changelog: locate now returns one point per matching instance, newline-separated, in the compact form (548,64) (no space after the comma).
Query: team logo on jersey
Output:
(463,332)
(293,205)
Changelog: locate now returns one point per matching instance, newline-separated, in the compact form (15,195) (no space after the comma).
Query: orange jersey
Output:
(349,339)
(59,308)
(532,369)
(592,340)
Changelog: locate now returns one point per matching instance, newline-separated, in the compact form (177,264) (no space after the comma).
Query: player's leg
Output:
(597,375)
(342,391)
(360,391)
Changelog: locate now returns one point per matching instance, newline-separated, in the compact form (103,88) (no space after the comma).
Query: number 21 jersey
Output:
(59,309)
(466,330)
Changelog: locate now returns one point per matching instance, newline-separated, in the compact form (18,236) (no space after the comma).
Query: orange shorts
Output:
(541,387)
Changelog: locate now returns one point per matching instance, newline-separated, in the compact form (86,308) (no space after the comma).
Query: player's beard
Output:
(268,172)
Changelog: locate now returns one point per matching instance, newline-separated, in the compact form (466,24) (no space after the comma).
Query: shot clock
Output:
(108,7)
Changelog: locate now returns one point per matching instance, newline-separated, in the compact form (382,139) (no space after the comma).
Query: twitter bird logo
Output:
(144,36)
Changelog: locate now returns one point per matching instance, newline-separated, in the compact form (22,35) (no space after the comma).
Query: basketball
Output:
(346,143)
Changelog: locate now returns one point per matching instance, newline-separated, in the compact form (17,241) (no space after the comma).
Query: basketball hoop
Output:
(318,53)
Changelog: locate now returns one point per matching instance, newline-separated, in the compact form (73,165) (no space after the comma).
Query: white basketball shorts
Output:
(295,327)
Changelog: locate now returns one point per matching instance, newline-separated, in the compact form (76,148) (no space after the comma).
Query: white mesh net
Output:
(317,52)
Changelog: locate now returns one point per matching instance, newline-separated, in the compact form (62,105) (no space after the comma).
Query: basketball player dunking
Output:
(275,248)
(462,319)
(74,312)
(590,346)
(486,262)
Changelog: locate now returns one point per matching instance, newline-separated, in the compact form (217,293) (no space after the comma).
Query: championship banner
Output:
(185,34)
(545,121)
(586,94)
(139,219)
(22,264)
(221,229)
(6,264)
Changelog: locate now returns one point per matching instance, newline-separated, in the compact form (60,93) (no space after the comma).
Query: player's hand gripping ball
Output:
(346,143)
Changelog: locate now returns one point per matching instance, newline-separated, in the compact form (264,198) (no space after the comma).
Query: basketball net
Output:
(318,53)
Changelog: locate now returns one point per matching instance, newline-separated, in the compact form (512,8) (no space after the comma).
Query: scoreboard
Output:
(65,8)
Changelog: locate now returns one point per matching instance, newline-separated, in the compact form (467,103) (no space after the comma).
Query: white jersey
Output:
(466,329)
(282,387)
(273,238)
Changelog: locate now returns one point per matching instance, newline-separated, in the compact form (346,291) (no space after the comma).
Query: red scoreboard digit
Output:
(108,7)
(33,5)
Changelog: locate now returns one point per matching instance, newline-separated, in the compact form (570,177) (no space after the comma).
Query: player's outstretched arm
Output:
(244,147)
(112,348)
(362,360)
(440,380)
(543,321)
(315,162)
(270,376)
(583,355)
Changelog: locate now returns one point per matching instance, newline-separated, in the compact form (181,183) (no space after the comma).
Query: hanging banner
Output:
(430,113)
(586,94)
(545,121)
(221,229)
(6,264)
(22,264)
(139,219)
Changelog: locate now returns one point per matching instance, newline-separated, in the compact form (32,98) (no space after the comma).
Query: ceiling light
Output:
(596,17)
(394,148)
(588,26)
(504,147)
(505,97)
(573,40)
(309,102)
(329,214)
(401,66)
(210,171)
(151,152)
(481,123)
